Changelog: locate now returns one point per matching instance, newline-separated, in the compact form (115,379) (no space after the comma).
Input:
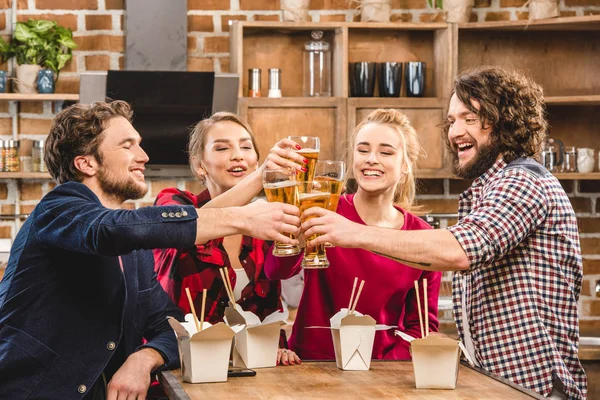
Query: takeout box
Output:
(435,361)
(255,346)
(204,355)
(353,337)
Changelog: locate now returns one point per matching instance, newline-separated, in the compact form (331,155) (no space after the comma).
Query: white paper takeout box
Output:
(435,361)
(353,337)
(255,346)
(204,355)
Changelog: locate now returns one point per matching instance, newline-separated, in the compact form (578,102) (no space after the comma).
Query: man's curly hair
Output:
(511,103)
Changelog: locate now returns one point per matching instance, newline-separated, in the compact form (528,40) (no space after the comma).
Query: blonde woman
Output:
(385,149)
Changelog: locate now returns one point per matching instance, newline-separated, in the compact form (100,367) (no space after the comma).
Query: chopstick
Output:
(227,284)
(419,308)
(360,288)
(203,307)
(189,296)
(352,295)
(426,310)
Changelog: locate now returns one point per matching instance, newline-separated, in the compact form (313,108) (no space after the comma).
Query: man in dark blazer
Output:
(79,295)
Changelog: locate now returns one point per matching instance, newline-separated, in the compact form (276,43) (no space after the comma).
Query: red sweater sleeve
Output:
(282,267)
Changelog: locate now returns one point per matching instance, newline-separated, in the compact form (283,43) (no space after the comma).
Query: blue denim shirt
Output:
(65,303)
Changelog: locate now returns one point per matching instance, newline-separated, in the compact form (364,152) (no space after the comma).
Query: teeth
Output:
(238,169)
(463,146)
(372,173)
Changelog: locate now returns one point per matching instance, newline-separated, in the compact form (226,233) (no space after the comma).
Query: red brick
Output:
(71,66)
(66,4)
(31,107)
(581,204)
(430,186)
(259,17)
(432,17)
(224,63)
(3,106)
(31,191)
(34,126)
(128,205)
(457,186)
(2,21)
(5,4)
(200,64)
(114,4)
(522,15)
(200,23)
(512,3)
(121,62)
(568,13)
(192,43)
(588,225)
(589,186)
(22,5)
(194,187)
(482,3)
(591,308)
(226,18)
(216,44)
(409,4)
(100,42)
(67,85)
(404,17)
(589,327)
(567,185)
(578,3)
(157,186)
(259,5)
(27,208)
(66,20)
(497,16)
(333,18)
(97,63)
(5,233)
(208,5)
(8,209)
(5,126)
(98,22)
(474,17)
(331,5)
(591,267)
(3,191)
(590,246)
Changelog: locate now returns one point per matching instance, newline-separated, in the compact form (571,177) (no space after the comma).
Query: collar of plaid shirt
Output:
(519,231)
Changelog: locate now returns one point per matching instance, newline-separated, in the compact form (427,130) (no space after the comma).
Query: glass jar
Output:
(37,156)
(11,159)
(2,155)
(570,159)
(254,82)
(548,158)
(317,67)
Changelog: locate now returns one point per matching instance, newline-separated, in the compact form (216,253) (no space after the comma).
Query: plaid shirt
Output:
(519,231)
(198,268)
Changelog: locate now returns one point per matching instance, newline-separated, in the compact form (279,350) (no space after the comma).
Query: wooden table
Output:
(323,380)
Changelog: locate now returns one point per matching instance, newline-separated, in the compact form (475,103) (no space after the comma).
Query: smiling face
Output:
(121,161)
(378,164)
(227,158)
(473,149)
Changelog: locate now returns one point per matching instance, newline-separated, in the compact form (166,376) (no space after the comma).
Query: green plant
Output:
(42,42)
(435,3)
(5,53)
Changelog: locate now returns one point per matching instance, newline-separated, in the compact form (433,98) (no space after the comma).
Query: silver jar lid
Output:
(38,143)
(11,143)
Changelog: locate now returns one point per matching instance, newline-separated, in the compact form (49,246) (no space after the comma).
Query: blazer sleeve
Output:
(71,218)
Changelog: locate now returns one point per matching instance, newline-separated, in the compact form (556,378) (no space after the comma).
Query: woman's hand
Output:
(287,357)
(284,155)
(332,228)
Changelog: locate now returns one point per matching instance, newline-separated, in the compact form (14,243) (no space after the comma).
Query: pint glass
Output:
(310,150)
(314,194)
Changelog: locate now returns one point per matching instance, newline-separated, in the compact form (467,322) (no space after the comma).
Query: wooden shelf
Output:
(305,26)
(569,176)
(25,175)
(396,102)
(592,100)
(288,102)
(587,23)
(39,97)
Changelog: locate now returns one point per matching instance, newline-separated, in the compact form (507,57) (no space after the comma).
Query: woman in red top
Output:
(385,151)
(223,154)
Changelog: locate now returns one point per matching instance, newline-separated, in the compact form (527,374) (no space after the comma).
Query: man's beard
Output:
(121,190)
(485,157)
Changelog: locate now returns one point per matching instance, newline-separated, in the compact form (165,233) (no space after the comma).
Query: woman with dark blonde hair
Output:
(223,155)
(385,150)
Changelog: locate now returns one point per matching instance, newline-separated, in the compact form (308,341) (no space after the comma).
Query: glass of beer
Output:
(280,185)
(314,194)
(310,150)
(334,173)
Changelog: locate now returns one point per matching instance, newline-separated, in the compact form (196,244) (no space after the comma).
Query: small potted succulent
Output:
(36,44)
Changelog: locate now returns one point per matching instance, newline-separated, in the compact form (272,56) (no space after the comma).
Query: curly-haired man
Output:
(515,246)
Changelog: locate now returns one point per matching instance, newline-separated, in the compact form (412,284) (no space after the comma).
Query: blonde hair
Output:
(198,135)
(404,195)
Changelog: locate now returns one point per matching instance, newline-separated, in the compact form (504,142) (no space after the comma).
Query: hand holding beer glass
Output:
(310,151)
(314,194)
(332,172)
(280,185)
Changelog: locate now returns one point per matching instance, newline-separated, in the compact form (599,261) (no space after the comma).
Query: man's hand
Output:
(271,221)
(332,228)
(132,380)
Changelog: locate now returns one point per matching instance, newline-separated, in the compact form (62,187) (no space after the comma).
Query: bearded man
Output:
(515,247)
(79,294)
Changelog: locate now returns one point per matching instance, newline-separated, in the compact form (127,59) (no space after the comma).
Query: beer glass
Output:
(310,150)
(314,194)
(280,185)
(332,172)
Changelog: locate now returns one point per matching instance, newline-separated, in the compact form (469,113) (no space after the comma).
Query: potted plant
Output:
(457,11)
(37,44)
(4,55)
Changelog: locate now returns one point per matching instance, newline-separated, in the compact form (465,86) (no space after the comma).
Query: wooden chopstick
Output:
(225,283)
(229,284)
(426,309)
(360,288)
(189,296)
(203,306)
(419,308)
(352,295)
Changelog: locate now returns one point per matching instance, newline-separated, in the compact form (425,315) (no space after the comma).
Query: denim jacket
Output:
(66,305)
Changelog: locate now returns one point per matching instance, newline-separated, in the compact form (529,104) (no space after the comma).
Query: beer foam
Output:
(279,185)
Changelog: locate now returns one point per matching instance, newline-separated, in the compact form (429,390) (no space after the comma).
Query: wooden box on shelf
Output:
(561,54)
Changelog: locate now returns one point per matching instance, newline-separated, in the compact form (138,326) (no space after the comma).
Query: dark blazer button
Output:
(82,388)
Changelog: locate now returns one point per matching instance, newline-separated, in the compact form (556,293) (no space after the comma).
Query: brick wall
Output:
(98,30)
